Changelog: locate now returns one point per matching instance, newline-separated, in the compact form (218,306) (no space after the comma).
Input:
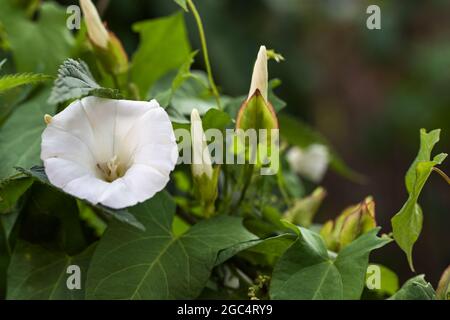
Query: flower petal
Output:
(87,187)
(72,121)
(57,143)
(162,157)
(118,195)
(153,127)
(62,171)
(144,181)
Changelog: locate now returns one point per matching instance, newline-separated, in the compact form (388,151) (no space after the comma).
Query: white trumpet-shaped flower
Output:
(95,28)
(113,152)
(260,74)
(201,160)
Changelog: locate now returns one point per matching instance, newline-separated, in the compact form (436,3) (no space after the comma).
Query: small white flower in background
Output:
(201,160)
(113,152)
(260,74)
(96,30)
(310,162)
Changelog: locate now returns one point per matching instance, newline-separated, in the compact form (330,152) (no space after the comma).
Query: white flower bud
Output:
(260,76)
(201,160)
(96,30)
(47,118)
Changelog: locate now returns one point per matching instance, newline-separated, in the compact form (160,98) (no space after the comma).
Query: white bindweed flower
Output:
(201,160)
(260,74)
(311,162)
(113,152)
(95,28)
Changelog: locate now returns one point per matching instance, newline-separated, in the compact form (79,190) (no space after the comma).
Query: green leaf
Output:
(122,215)
(427,143)
(37,45)
(37,273)
(4,260)
(164,46)
(11,191)
(260,250)
(156,264)
(42,219)
(216,119)
(10,100)
(14,80)
(306,271)
(20,136)
(7,225)
(75,81)
(191,91)
(300,134)
(415,289)
(194,93)
(388,283)
(164,89)
(407,223)
(182,4)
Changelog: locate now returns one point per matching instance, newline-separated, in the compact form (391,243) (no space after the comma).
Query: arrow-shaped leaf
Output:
(156,264)
(407,223)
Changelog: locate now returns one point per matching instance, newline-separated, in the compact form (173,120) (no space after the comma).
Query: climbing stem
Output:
(201,32)
(442,174)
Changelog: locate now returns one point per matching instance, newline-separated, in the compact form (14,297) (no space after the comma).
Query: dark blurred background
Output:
(368,91)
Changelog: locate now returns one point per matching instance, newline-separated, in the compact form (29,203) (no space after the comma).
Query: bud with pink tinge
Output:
(107,46)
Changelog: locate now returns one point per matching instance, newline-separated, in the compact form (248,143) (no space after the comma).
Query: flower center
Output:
(111,169)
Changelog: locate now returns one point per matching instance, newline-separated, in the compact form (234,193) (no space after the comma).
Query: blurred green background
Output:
(368,91)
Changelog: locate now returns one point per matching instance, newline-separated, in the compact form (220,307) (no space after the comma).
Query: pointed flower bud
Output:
(257,112)
(96,30)
(106,45)
(260,75)
(257,116)
(304,210)
(204,175)
(443,289)
(349,225)
(201,160)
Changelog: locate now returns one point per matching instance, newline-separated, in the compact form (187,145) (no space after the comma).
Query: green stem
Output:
(282,188)
(225,181)
(201,32)
(248,173)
